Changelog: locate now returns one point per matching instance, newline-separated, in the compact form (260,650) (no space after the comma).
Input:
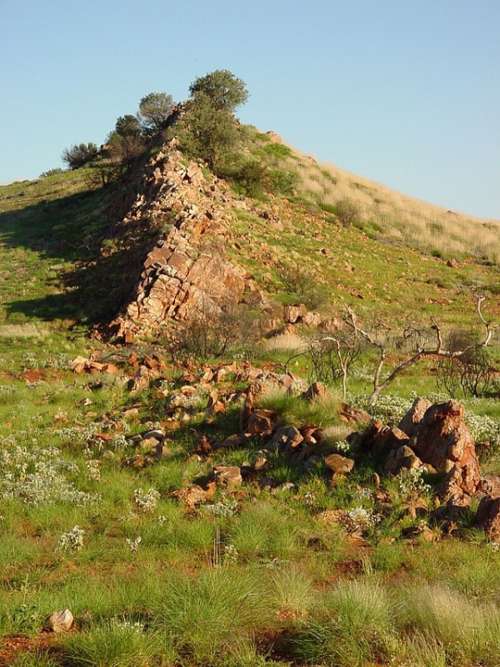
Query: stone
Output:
(488,517)
(228,477)
(444,441)
(60,621)
(338,464)
(260,423)
(194,495)
(317,390)
(287,436)
(403,458)
(411,421)
(294,314)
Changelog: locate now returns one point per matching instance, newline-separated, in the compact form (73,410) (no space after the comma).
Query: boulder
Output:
(338,464)
(60,621)
(228,477)
(403,458)
(488,517)
(444,441)
(411,421)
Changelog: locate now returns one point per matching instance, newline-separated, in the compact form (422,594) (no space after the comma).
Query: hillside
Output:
(391,215)
(200,504)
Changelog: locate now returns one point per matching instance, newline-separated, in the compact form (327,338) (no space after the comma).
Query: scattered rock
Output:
(317,390)
(403,458)
(60,621)
(339,465)
(228,477)
(488,517)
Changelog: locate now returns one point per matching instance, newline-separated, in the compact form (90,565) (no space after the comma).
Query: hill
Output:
(180,469)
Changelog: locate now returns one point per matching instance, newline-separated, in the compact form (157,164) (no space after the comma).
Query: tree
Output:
(472,372)
(207,132)
(155,110)
(333,356)
(123,148)
(128,125)
(223,88)
(419,344)
(80,154)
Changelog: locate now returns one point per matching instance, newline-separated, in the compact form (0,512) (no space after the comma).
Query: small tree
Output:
(414,344)
(123,148)
(225,90)
(155,110)
(333,356)
(80,154)
(207,132)
(471,372)
(127,126)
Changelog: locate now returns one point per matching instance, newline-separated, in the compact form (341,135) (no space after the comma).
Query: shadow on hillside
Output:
(71,230)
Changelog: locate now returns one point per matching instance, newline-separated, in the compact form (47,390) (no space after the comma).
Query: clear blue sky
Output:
(406,93)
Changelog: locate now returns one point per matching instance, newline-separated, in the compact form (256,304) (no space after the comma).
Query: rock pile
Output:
(435,438)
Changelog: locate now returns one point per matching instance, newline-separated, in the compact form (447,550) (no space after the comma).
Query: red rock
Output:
(411,421)
(444,441)
(488,517)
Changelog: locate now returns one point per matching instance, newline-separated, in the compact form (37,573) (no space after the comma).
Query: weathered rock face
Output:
(186,268)
(434,437)
(411,421)
(444,441)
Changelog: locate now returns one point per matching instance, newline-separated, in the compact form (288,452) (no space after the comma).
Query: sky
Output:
(405,93)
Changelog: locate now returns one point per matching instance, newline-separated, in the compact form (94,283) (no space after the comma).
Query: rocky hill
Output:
(230,505)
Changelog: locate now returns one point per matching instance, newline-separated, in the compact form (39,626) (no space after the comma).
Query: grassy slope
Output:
(390,214)
(290,588)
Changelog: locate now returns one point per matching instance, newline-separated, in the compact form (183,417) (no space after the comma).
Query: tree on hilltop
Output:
(225,90)
(80,154)
(154,111)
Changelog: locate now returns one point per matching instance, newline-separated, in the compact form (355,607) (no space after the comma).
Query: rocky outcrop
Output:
(186,268)
(433,437)
(443,440)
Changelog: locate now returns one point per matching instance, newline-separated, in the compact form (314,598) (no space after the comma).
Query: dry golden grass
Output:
(399,217)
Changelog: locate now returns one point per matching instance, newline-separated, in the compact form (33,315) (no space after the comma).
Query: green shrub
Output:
(80,154)
(347,211)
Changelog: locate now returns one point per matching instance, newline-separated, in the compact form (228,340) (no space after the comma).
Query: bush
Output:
(79,155)
(347,211)
(224,90)
(208,133)
(471,373)
(155,111)
(51,172)
(211,333)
